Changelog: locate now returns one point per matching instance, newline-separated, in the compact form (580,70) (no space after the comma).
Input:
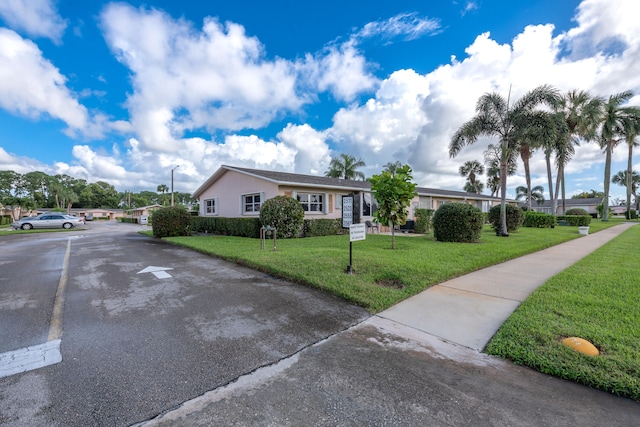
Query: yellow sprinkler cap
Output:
(581,345)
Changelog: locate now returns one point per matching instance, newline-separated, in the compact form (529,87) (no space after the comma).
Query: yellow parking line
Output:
(55,328)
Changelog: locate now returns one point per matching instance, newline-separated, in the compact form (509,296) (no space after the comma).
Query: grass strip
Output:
(382,276)
(597,299)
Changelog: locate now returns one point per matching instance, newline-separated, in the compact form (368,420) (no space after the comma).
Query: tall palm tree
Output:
(470,170)
(345,166)
(510,123)
(630,137)
(392,167)
(581,114)
(537,193)
(162,188)
(632,182)
(618,122)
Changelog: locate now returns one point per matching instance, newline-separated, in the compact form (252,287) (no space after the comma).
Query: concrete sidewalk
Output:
(469,309)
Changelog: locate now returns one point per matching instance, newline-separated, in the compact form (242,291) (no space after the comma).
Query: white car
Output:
(48,220)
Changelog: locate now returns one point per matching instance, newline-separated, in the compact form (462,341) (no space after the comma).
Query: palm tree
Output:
(537,193)
(632,182)
(492,162)
(162,188)
(469,170)
(392,167)
(345,166)
(581,114)
(630,137)
(511,124)
(618,123)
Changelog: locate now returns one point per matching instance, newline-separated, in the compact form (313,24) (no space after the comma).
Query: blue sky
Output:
(124,91)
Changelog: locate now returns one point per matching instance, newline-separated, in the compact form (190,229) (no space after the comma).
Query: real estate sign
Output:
(347,211)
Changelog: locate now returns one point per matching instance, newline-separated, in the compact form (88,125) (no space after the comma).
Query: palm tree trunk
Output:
(607,179)
(547,156)
(393,236)
(503,196)
(555,194)
(525,154)
(564,196)
(629,180)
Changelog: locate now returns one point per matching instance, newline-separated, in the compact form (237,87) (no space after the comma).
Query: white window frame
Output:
(206,207)
(253,203)
(305,199)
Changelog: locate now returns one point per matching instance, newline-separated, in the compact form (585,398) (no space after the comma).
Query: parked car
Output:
(48,220)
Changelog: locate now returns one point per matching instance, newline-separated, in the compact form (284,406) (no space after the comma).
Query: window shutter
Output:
(215,206)
(261,198)
(325,204)
(241,197)
(294,194)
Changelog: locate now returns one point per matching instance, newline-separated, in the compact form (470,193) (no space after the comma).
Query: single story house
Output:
(590,205)
(234,192)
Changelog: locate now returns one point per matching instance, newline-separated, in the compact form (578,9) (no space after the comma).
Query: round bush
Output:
(171,222)
(576,211)
(457,222)
(284,213)
(515,218)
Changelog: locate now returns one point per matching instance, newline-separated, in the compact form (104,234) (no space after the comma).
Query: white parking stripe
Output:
(30,358)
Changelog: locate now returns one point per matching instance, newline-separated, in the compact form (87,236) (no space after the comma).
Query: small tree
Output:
(171,222)
(284,213)
(394,192)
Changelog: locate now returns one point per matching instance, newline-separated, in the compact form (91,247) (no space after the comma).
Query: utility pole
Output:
(177,166)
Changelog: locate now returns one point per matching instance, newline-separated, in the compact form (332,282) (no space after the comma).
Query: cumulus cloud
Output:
(31,86)
(37,18)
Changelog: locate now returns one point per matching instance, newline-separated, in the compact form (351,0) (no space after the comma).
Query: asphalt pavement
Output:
(419,363)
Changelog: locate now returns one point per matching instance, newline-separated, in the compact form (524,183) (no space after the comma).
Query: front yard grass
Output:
(597,299)
(382,276)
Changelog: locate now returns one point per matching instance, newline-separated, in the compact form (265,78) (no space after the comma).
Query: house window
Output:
(311,202)
(251,202)
(210,207)
(369,204)
(486,206)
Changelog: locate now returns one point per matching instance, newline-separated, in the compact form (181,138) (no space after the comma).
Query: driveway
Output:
(146,326)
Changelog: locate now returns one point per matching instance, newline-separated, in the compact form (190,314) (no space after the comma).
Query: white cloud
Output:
(407,25)
(30,85)
(38,18)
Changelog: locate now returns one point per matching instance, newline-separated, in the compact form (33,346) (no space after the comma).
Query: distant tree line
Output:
(38,190)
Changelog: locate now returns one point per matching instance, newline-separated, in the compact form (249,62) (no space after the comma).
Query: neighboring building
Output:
(589,205)
(239,192)
(143,211)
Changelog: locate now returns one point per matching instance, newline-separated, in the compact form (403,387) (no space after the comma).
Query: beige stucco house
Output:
(234,192)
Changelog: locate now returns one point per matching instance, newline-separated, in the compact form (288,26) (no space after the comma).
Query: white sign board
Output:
(347,211)
(357,232)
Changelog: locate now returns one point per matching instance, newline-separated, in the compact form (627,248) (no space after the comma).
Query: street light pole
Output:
(177,166)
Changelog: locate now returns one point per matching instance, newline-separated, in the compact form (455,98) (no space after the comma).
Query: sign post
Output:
(356,232)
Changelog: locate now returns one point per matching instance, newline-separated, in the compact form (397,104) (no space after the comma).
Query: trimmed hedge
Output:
(241,227)
(6,220)
(458,222)
(515,217)
(423,220)
(576,220)
(171,222)
(576,211)
(322,227)
(539,220)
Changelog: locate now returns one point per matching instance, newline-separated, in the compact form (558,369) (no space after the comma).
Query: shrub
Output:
(576,220)
(576,211)
(515,217)
(171,222)
(241,227)
(631,215)
(457,222)
(284,213)
(538,220)
(322,227)
(423,220)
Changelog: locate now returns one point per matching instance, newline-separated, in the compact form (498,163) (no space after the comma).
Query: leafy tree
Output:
(537,194)
(510,123)
(284,213)
(592,194)
(618,123)
(394,193)
(622,178)
(345,166)
(470,170)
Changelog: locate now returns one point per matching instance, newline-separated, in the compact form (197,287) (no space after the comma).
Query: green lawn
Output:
(597,299)
(382,276)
